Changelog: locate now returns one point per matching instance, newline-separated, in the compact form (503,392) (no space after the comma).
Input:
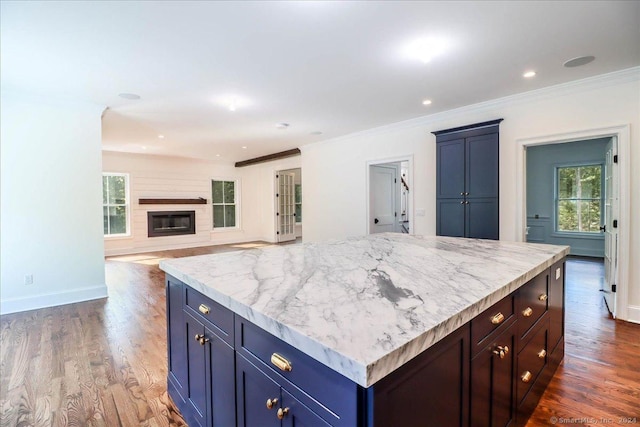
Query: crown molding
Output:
(576,86)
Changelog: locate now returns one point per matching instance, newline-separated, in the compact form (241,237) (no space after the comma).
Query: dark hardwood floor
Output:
(103,363)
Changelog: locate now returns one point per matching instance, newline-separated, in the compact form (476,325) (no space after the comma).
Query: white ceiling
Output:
(334,67)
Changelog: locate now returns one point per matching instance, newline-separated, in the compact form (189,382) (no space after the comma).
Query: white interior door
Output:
(382,198)
(286,206)
(610,232)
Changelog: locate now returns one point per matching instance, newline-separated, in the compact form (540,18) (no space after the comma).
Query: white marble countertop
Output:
(365,306)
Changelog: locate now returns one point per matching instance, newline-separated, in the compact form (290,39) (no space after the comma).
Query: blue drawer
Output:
(327,393)
(216,317)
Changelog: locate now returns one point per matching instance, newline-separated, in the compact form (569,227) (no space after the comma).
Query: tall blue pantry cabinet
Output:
(467,181)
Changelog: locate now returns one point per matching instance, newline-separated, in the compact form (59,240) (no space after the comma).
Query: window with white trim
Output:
(579,198)
(115,204)
(224,200)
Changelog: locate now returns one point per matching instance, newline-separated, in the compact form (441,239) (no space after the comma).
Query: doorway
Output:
(389,199)
(614,205)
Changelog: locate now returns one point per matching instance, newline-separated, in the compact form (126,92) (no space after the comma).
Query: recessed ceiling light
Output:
(160,136)
(144,147)
(233,102)
(129,96)
(217,155)
(244,147)
(581,60)
(426,102)
(282,126)
(426,49)
(529,74)
(316,133)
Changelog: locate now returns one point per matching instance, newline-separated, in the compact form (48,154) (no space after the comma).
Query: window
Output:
(115,204)
(298,203)
(579,199)
(224,200)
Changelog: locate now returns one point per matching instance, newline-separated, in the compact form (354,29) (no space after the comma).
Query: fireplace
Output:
(171,223)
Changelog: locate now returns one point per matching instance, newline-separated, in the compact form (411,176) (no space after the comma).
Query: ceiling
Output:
(330,67)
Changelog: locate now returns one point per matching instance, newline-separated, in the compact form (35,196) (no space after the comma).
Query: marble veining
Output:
(365,306)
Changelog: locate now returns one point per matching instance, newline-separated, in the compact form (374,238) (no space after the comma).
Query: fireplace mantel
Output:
(198,201)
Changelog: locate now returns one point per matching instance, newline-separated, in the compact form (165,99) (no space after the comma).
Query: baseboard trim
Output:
(633,314)
(16,305)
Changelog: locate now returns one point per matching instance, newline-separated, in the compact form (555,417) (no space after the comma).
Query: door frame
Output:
(410,209)
(623,135)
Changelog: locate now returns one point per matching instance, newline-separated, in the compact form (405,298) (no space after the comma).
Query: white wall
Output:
(171,177)
(50,203)
(334,171)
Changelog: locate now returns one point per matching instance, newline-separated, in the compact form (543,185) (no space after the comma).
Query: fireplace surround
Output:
(171,223)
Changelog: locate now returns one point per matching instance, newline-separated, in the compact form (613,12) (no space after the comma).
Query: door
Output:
(450,217)
(382,198)
(450,169)
(197,379)
(258,396)
(222,402)
(286,206)
(482,166)
(298,415)
(610,232)
(482,218)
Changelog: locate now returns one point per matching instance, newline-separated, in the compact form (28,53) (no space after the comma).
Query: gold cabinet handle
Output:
(496,319)
(526,377)
(201,339)
(542,353)
(272,402)
(501,350)
(282,363)
(527,312)
(204,309)
(282,412)
(543,297)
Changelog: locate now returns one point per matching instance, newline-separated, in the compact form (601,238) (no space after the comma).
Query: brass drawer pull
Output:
(501,351)
(282,412)
(527,312)
(542,353)
(526,377)
(282,363)
(497,318)
(204,309)
(271,403)
(543,297)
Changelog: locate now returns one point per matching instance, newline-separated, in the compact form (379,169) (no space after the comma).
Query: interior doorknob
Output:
(375,220)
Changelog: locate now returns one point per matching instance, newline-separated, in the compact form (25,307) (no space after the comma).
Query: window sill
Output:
(576,235)
(226,230)
(118,237)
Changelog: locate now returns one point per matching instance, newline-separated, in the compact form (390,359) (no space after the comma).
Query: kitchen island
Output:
(379,330)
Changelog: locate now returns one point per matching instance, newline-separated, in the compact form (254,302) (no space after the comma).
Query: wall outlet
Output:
(28,279)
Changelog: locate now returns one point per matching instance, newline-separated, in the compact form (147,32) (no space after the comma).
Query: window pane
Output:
(118,219)
(567,215)
(298,213)
(104,191)
(230,215)
(298,193)
(589,216)
(218,216)
(567,183)
(590,182)
(217,191)
(105,219)
(117,190)
(229,192)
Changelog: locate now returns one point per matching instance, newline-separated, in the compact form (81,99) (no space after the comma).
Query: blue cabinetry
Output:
(225,371)
(467,187)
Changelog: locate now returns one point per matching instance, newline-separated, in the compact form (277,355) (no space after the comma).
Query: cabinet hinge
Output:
(395,181)
(395,214)
(614,288)
(615,158)
(615,223)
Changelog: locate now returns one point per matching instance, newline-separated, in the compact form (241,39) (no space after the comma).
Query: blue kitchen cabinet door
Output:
(450,159)
(482,166)
(253,389)
(450,217)
(176,342)
(298,415)
(482,219)
(197,376)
